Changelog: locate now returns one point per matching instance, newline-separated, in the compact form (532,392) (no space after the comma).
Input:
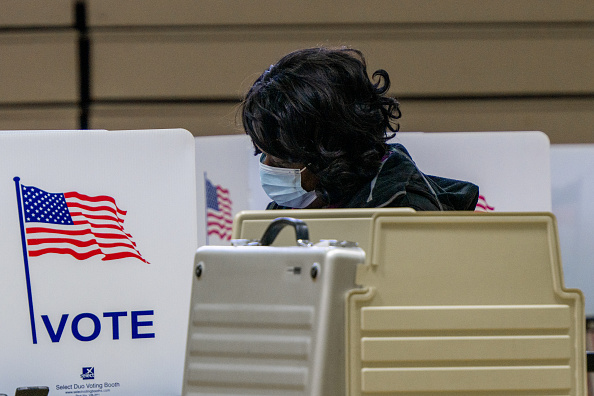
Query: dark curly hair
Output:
(318,107)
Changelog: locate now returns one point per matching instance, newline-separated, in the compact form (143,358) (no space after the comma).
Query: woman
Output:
(321,127)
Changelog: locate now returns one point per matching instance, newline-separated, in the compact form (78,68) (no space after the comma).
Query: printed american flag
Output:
(483,206)
(219,218)
(75,224)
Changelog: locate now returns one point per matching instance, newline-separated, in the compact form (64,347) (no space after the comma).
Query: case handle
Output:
(301,231)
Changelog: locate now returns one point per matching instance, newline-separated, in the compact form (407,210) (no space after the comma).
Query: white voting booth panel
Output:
(512,170)
(573,188)
(97,245)
(227,169)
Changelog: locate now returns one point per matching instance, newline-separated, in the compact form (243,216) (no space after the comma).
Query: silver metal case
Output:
(269,320)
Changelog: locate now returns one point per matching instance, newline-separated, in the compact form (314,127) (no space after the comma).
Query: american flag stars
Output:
(44,207)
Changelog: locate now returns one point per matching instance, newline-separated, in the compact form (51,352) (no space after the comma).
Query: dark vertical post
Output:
(84,65)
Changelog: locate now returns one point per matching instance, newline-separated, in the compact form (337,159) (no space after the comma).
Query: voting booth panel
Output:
(515,171)
(572,184)
(453,303)
(98,239)
(512,170)
(227,181)
(466,304)
(341,224)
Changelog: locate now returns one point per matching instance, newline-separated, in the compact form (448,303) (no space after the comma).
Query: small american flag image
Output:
(219,218)
(75,224)
(483,206)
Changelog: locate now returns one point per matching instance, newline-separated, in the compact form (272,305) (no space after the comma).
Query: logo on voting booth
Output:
(88,373)
(80,226)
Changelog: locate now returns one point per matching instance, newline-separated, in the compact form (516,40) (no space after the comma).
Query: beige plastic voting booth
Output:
(96,247)
(447,303)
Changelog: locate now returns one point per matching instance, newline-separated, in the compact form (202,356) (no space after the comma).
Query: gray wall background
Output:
(466,65)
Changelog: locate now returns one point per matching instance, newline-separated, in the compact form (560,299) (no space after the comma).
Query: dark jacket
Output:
(399,183)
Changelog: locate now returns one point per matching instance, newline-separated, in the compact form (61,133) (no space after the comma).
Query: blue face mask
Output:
(283,186)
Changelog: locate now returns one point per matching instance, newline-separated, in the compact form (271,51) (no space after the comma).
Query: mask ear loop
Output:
(320,192)
(304,168)
(323,194)
(263,157)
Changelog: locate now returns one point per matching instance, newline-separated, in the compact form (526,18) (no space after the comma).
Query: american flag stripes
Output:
(483,206)
(219,218)
(75,224)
